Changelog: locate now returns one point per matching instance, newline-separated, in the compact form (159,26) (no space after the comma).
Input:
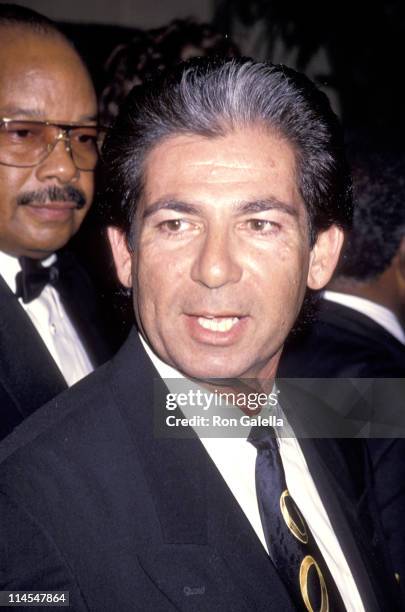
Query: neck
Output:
(251,384)
(17,253)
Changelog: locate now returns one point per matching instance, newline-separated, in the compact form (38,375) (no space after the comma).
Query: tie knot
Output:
(263,438)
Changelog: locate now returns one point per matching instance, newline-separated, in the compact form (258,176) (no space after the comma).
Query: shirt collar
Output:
(10,266)
(164,370)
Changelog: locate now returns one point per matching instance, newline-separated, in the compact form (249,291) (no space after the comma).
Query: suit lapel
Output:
(80,302)
(340,470)
(241,549)
(339,504)
(204,531)
(348,508)
(27,370)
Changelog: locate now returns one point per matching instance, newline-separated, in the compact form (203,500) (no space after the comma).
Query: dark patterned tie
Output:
(33,278)
(290,543)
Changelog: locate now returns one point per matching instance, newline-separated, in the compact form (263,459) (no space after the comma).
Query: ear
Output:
(121,254)
(324,257)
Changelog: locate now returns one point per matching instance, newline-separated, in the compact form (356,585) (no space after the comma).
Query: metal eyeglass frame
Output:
(63,135)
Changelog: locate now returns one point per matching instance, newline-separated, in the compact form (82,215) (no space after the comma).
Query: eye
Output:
(177,228)
(174,226)
(262,226)
(85,138)
(20,134)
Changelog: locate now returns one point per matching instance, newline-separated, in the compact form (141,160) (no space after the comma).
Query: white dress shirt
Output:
(235,458)
(52,323)
(379,314)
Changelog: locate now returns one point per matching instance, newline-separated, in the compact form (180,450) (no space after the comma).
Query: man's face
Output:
(222,255)
(41,78)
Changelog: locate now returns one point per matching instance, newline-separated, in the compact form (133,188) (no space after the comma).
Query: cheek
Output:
(12,218)
(153,299)
(282,281)
(294,289)
(12,181)
(4,209)
(148,282)
(86,184)
(161,274)
(147,286)
(78,218)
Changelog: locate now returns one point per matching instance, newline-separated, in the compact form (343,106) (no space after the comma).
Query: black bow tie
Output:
(33,278)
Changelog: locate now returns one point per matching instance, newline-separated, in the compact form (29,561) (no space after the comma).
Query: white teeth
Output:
(218,325)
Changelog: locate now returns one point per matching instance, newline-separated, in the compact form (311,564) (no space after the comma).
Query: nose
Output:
(216,264)
(58,164)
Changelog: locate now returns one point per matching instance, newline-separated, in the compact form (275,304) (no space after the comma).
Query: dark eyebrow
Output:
(250,207)
(171,204)
(258,206)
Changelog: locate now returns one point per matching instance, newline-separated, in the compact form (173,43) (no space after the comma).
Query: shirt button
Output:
(53,328)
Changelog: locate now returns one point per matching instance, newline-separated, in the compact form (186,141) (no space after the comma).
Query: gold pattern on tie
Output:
(299,531)
(292,547)
(288,509)
(306,565)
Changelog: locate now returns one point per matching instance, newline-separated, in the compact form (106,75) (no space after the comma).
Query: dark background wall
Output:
(129,13)
(354,49)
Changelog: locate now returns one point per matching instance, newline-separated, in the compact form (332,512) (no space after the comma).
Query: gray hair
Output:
(212,98)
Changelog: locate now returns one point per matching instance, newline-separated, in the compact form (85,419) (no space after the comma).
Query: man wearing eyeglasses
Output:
(49,334)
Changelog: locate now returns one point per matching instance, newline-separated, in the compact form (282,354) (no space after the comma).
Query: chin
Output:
(42,251)
(209,372)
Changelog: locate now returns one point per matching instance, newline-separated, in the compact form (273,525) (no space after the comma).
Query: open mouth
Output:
(218,324)
(219,329)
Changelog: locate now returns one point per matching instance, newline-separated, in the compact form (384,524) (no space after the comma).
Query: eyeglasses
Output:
(25,144)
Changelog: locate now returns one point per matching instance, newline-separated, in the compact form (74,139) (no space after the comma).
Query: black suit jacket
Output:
(91,501)
(29,376)
(345,343)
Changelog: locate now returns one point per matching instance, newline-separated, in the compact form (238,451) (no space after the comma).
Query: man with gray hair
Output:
(227,193)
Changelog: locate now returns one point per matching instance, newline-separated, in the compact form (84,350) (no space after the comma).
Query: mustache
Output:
(53,194)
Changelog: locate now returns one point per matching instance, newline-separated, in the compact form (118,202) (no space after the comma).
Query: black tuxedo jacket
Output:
(29,376)
(92,502)
(345,343)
